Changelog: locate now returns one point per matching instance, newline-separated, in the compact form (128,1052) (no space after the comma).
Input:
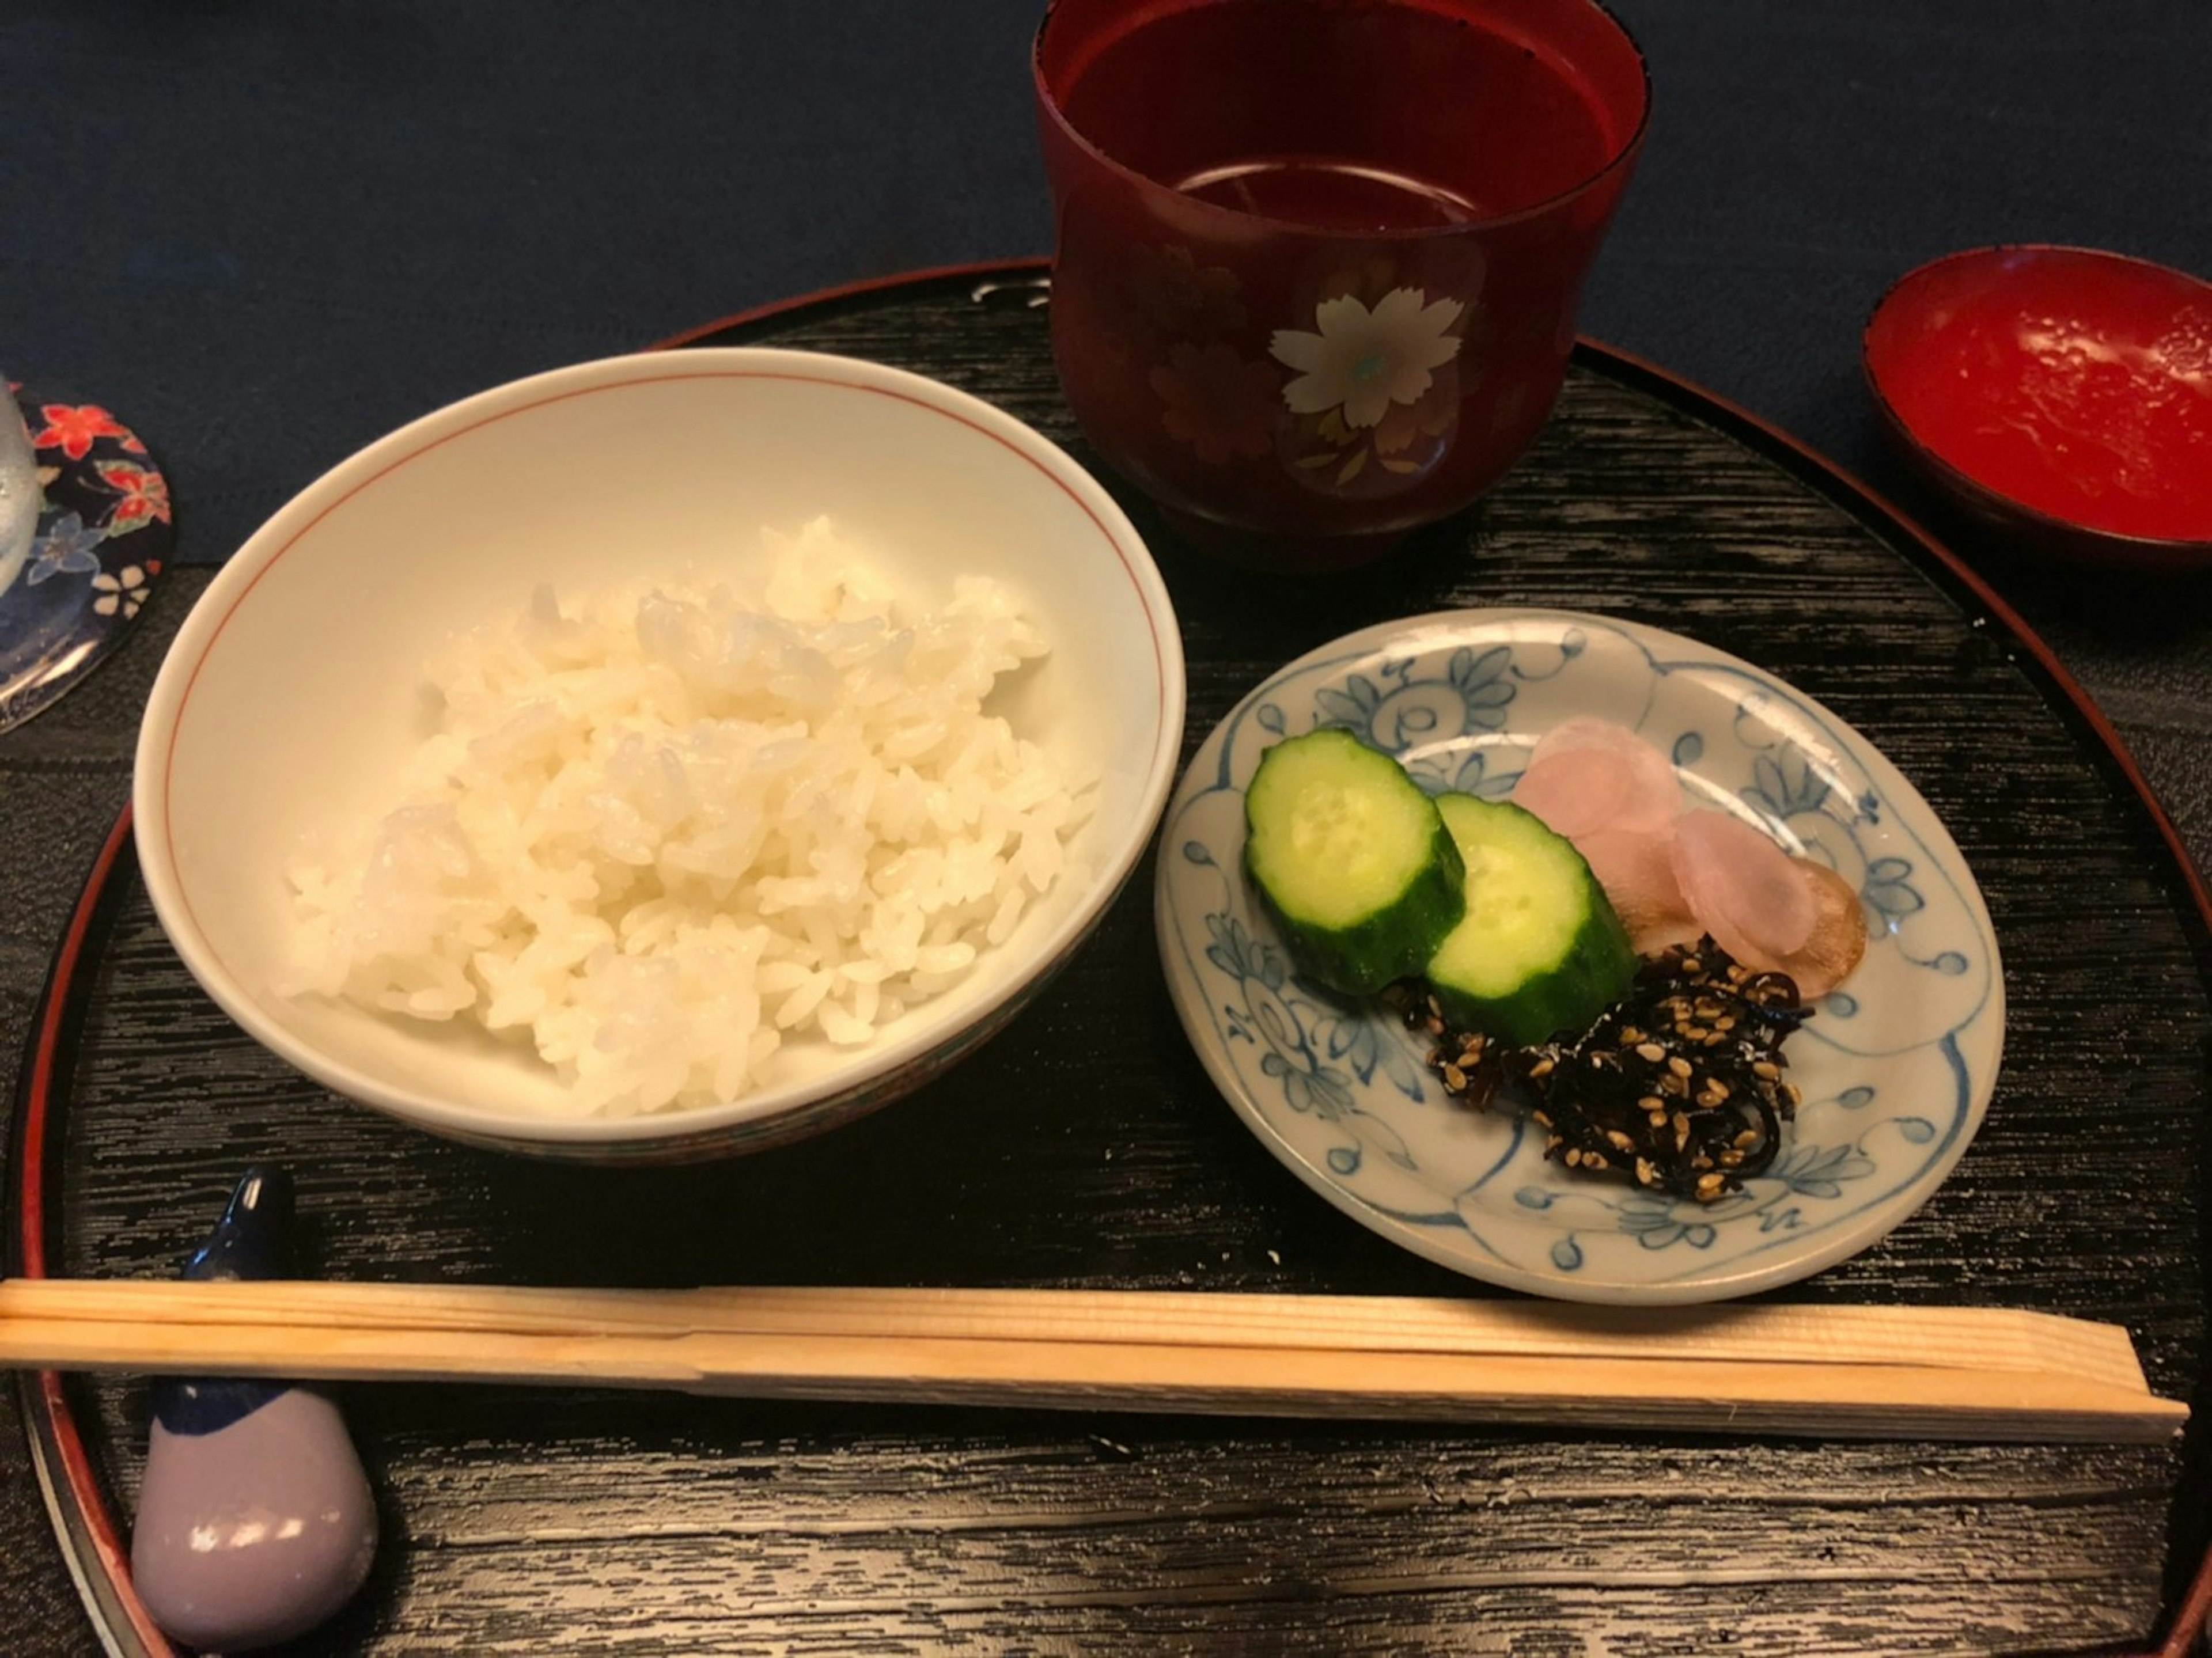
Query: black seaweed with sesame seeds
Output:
(1677,1087)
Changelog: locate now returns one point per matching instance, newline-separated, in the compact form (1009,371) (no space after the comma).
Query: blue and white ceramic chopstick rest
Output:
(255,1521)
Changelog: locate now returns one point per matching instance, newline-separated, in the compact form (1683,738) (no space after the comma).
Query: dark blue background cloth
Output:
(266,233)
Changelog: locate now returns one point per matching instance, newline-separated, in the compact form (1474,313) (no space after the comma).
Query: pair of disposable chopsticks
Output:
(1834,1371)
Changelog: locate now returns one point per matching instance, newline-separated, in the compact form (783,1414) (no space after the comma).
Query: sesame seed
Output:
(1455,1078)
(1644,1172)
(1543,1067)
(1679,1065)
(1652,1052)
(1620,1141)
(1765,1070)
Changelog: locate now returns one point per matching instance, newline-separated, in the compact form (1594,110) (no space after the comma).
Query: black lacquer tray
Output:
(1084,1147)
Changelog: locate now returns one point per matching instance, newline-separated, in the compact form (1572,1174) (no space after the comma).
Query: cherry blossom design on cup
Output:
(1379,383)
(1181,297)
(1216,401)
(1374,381)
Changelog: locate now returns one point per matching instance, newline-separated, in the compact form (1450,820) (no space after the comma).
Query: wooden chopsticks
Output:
(1834,1371)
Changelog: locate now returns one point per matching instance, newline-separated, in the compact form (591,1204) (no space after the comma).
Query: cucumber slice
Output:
(1351,860)
(1540,950)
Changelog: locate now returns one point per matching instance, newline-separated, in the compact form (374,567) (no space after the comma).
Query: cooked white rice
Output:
(666,833)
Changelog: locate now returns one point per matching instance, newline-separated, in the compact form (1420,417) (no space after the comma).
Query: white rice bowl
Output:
(296,755)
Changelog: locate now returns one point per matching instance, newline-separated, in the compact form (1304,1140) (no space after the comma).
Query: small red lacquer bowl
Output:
(2061,395)
(1317,261)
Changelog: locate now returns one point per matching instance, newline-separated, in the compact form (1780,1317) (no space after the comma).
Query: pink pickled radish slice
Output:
(1637,870)
(1587,731)
(1838,939)
(1575,793)
(1743,889)
(1649,795)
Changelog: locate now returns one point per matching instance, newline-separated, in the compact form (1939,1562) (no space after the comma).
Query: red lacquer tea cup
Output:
(1317,261)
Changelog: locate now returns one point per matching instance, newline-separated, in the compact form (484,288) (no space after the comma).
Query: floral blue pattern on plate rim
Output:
(1896,1067)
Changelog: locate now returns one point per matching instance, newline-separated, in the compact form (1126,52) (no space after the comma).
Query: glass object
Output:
(1318,262)
(84,530)
(18,491)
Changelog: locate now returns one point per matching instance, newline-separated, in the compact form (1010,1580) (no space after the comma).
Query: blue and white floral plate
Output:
(1896,1067)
